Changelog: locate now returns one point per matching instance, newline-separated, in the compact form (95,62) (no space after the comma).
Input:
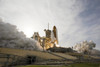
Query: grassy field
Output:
(23,53)
(43,55)
(66,56)
(72,65)
(56,58)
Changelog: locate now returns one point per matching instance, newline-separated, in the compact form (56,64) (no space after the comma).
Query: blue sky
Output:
(76,20)
(91,20)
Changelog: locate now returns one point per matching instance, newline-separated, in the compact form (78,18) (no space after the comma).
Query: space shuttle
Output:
(49,40)
(54,35)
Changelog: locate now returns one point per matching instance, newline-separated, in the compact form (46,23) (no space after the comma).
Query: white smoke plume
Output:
(10,37)
(84,46)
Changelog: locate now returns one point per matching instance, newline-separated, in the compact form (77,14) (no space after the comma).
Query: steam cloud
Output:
(84,46)
(10,37)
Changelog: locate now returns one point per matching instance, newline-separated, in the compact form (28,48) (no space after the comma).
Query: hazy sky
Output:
(76,20)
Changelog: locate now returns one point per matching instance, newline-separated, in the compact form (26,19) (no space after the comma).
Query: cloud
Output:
(91,20)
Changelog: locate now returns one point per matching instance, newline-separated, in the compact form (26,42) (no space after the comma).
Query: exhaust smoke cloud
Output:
(85,46)
(10,37)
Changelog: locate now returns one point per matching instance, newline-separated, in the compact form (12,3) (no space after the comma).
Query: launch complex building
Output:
(49,40)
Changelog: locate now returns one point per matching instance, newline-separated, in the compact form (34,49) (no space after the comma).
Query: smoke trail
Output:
(84,46)
(10,37)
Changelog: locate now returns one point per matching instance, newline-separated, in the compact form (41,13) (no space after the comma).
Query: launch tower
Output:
(49,40)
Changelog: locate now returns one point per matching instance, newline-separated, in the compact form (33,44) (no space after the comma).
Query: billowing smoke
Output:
(10,37)
(85,46)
